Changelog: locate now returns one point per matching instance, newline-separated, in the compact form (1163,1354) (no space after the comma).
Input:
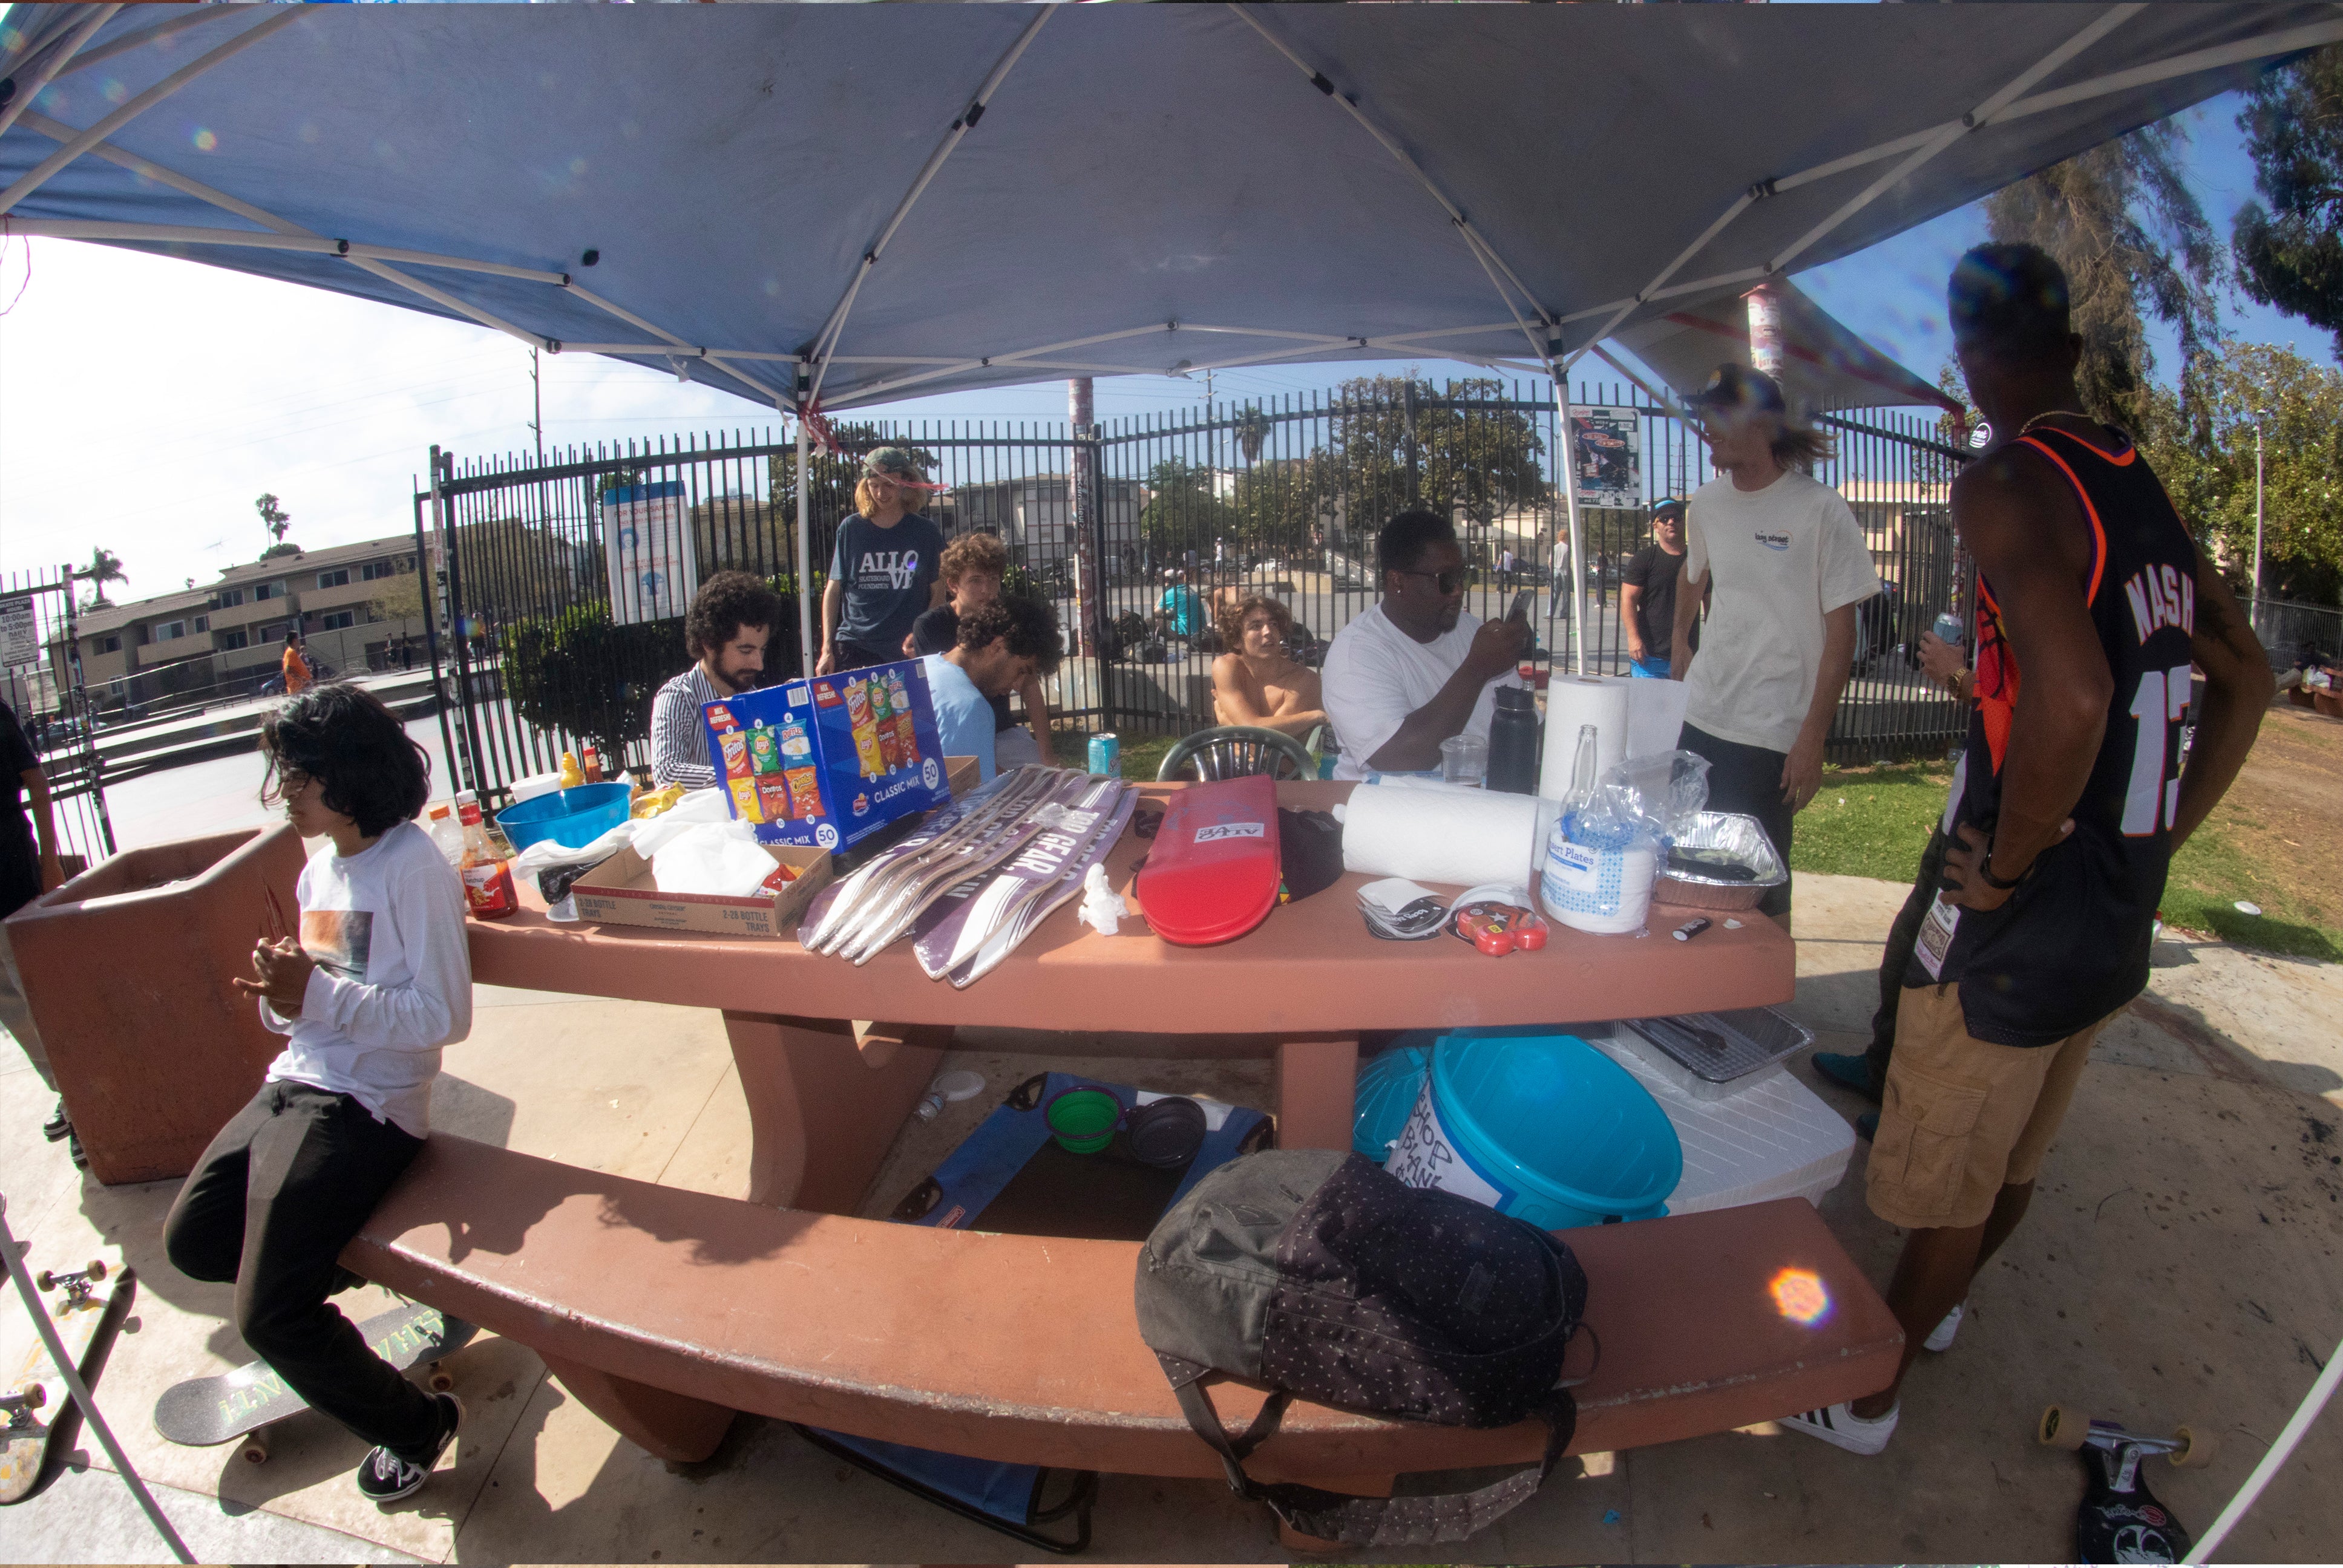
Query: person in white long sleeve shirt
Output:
(377,981)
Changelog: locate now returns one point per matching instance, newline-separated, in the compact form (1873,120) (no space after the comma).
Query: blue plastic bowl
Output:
(1564,1131)
(1389,1084)
(572,818)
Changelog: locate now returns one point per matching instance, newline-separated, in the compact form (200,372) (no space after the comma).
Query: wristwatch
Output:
(1985,870)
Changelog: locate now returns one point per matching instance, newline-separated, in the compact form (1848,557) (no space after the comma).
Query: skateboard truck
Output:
(78,1285)
(2121,1521)
(19,1407)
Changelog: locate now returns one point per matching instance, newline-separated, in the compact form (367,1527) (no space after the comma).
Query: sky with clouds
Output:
(145,402)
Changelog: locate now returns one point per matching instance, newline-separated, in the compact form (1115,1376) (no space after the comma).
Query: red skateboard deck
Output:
(1213,874)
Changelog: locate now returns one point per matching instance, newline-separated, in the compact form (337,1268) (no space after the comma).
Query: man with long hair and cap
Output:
(887,568)
(1785,561)
(2092,604)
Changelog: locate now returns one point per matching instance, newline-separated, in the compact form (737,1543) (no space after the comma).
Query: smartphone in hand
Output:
(1519,612)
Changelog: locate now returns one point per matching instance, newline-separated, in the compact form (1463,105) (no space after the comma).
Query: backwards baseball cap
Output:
(892,461)
(1673,504)
(1739,387)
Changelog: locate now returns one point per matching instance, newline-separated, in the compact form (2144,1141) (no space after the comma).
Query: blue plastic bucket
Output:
(1545,1128)
(572,818)
(1389,1084)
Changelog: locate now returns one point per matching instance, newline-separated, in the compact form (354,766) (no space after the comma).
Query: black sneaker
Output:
(386,1477)
(57,1128)
(73,1147)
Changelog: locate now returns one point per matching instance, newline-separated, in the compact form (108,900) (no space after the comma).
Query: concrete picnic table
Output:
(827,1095)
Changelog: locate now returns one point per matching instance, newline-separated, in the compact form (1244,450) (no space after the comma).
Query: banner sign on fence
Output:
(646,546)
(20,636)
(1610,445)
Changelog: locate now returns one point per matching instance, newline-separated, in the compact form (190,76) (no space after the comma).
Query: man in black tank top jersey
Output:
(2093,603)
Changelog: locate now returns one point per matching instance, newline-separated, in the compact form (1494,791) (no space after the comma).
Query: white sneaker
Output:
(1940,1338)
(1839,1425)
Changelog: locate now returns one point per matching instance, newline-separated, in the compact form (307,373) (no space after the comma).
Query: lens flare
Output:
(205,140)
(1800,1295)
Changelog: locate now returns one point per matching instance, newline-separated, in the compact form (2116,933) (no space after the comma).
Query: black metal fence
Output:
(45,690)
(1281,496)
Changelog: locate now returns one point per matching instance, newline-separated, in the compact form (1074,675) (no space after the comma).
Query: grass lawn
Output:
(2264,844)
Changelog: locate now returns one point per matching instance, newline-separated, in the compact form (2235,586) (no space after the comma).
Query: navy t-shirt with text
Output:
(889,574)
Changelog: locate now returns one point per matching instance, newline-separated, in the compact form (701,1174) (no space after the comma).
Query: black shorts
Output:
(1748,780)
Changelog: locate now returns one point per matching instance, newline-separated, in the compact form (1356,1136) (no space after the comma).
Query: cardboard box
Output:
(620,891)
(962,775)
(828,761)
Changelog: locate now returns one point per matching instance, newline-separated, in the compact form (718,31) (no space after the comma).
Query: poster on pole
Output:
(647,548)
(1608,443)
(20,635)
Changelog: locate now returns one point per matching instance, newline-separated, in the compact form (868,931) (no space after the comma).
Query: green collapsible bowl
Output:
(1082,1118)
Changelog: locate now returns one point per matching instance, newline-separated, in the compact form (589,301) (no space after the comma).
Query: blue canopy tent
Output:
(837,205)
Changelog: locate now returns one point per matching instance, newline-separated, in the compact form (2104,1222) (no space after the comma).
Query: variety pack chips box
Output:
(829,760)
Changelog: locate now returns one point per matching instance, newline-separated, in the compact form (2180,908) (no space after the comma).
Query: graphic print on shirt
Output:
(895,569)
(338,940)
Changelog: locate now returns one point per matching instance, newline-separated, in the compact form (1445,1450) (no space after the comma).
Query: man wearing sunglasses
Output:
(1416,669)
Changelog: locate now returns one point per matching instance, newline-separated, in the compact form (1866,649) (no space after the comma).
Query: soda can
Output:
(1949,627)
(1106,755)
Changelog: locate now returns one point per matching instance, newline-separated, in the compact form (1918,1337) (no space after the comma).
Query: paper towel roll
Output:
(1575,701)
(1631,717)
(1457,836)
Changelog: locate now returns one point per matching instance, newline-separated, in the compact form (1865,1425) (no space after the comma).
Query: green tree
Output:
(1399,441)
(1183,513)
(2204,453)
(2289,254)
(105,567)
(275,520)
(2122,221)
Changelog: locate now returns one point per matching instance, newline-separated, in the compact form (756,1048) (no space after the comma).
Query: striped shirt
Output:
(678,740)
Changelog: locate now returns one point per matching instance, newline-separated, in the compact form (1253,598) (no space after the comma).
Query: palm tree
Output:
(1252,427)
(105,567)
(275,520)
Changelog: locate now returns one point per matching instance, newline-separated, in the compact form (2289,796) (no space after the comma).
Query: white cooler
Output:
(1770,1137)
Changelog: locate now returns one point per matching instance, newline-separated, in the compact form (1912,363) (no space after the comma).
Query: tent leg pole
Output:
(2279,1453)
(89,1411)
(808,603)
(1569,445)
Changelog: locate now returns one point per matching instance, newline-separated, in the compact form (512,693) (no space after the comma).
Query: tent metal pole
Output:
(2100,26)
(41,172)
(826,339)
(195,18)
(26,91)
(1655,394)
(1567,441)
(809,603)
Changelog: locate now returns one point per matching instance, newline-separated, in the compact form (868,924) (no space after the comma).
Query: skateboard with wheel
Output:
(36,1399)
(242,1404)
(2121,1521)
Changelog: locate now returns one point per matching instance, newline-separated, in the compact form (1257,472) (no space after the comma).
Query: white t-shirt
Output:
(1782,558)
(1376,675)
(394,976)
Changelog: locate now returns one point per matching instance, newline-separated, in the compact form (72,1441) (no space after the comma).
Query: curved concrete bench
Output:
(664,1312)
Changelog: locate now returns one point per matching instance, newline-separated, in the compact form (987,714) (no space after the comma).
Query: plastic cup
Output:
(1082,1120)
(1464,760)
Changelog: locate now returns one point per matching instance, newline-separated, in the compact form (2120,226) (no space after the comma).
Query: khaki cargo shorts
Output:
(1960,1118)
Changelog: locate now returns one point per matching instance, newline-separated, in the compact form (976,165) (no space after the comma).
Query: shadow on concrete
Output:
(2224,1057)
(469,1110)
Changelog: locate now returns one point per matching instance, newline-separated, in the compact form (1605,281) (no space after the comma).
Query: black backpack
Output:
(1315,1273)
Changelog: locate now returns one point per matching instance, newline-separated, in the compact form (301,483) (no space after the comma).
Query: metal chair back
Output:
(1237,751)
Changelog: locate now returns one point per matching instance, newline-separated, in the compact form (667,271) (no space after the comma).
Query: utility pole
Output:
(2254,610)
(537,399)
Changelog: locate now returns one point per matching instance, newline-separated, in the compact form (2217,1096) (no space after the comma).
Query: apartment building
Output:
(231,631)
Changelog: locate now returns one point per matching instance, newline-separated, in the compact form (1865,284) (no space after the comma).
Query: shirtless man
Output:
(1258,684)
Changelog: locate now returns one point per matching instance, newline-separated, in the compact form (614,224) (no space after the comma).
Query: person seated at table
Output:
(731,618)
(973,566)
(1179,612)
(1416,667)
(1001,647)
(1259,683)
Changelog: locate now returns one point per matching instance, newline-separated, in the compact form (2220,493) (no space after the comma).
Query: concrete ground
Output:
(2180,1265)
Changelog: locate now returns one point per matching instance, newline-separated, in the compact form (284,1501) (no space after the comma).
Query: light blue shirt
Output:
(963,717)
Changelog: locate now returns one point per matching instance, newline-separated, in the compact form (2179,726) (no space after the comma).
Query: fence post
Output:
(428,582)
(1082,482)
(467,734)
(1408,444)
(1566,438)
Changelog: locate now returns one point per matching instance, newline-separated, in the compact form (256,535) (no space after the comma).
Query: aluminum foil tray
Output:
(1723,1046)
(1740,837)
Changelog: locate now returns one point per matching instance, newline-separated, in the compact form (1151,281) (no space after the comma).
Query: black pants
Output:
(1902,938)
(863,655)
(1748,780)
(270,1206)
